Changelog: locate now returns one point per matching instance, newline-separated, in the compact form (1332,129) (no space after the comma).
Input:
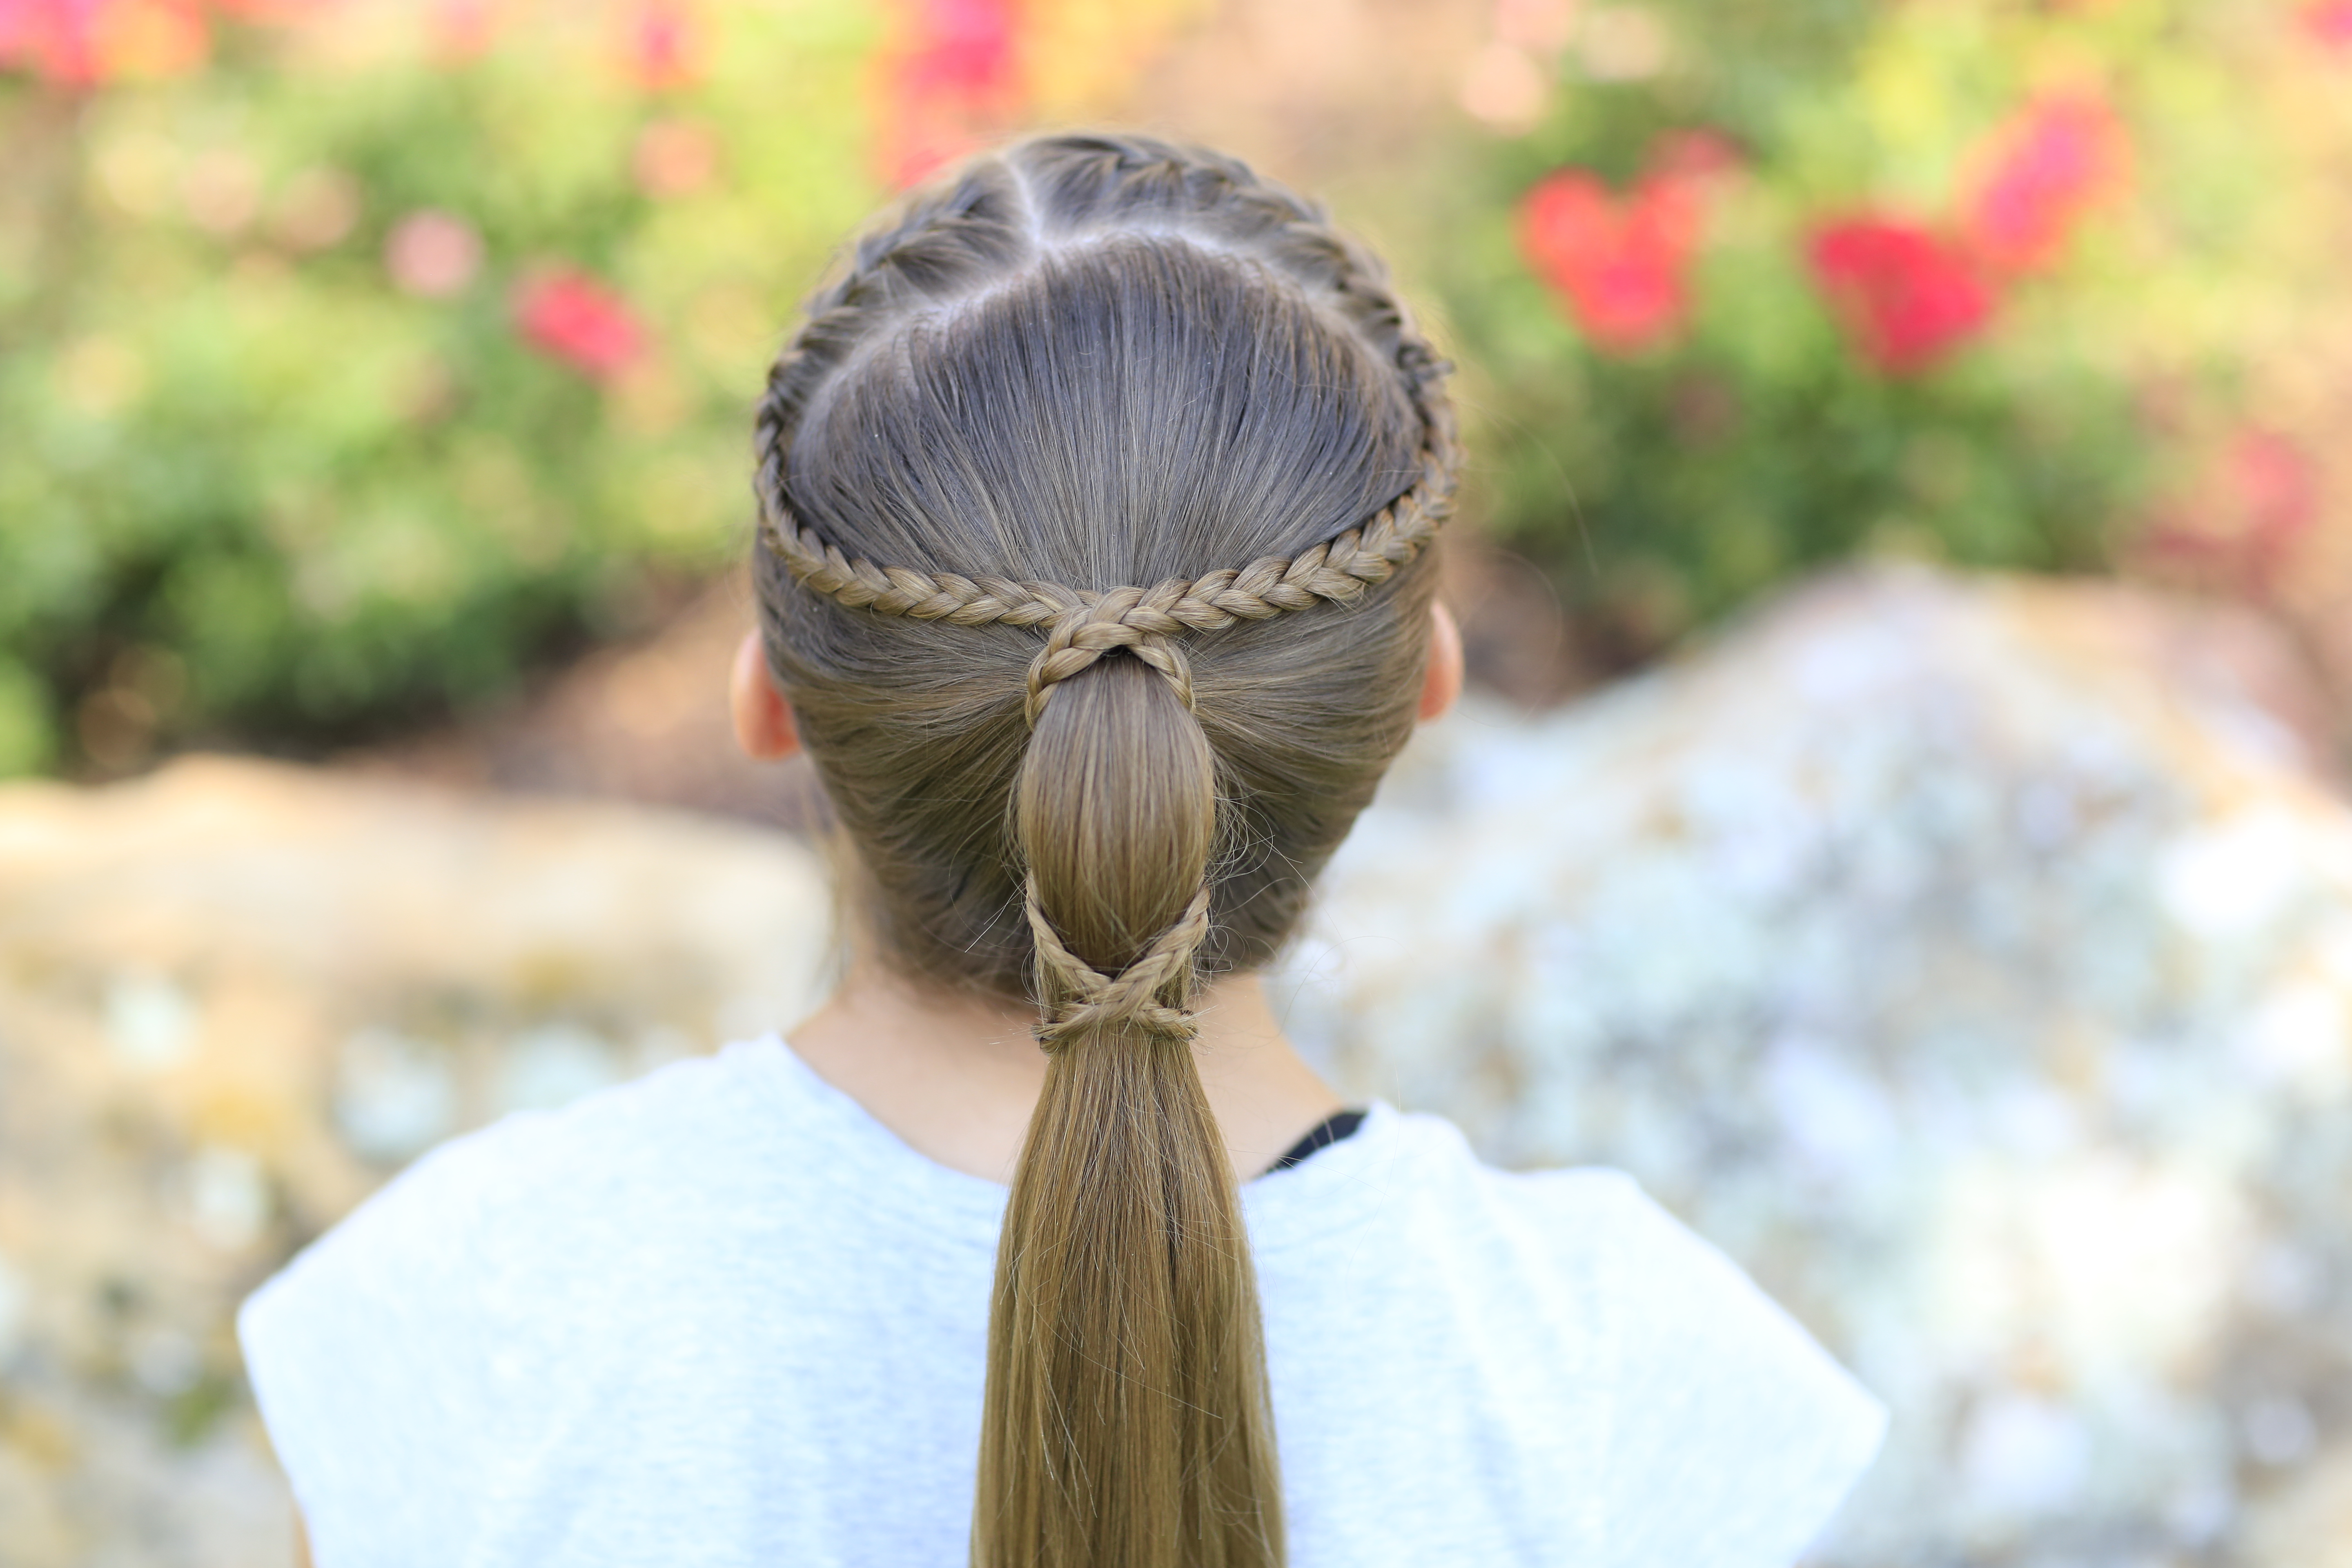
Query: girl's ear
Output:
(764,720)
(1443,684)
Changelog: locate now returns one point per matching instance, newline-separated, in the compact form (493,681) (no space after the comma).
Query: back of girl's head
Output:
(1095,497)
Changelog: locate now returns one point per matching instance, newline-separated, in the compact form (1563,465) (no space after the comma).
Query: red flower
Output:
(960,49)
(1907,296)
(1618,263)
(569,316)
(950,82)
(2328,22)
(2050,163)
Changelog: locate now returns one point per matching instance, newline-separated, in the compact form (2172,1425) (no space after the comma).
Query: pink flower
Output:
(950,82)
(959,49)
(432,254)
(53,37)
(2050,163)
(1907,296)
(569,316)
(662,45)
(1619,263)
(2328,22)
(87,43)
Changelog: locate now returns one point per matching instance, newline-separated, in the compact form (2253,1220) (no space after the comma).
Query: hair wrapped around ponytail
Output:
(1090,363)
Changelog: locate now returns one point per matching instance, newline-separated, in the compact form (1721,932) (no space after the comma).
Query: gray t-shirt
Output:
(721,1317)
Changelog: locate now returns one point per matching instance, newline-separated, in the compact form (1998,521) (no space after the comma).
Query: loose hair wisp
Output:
(1090,363)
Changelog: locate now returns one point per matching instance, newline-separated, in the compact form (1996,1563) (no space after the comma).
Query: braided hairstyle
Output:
(1094,496)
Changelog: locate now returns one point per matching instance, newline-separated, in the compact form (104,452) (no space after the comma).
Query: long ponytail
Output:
(1127,1418)
(1086,363)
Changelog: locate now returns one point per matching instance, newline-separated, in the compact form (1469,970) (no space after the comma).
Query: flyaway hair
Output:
(1095,498)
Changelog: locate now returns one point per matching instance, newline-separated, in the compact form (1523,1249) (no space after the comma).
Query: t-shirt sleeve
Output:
(1733,1437)
(370,1357)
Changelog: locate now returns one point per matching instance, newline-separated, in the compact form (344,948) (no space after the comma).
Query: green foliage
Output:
(252,489)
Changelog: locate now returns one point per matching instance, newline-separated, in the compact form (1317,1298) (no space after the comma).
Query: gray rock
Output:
(234,997)
(1984,990)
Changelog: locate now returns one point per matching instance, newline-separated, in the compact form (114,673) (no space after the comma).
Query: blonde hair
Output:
(1084,363)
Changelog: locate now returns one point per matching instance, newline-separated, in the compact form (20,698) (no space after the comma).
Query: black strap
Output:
(1329,1131)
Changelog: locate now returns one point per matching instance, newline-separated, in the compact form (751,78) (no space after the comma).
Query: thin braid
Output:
(1092,1000)
(1086,633)
(1086,624)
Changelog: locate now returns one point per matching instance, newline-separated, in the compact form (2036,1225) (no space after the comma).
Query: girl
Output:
(1096,576)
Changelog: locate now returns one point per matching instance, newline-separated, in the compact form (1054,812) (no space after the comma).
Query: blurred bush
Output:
(1752,288)
(358,357)
(362,353)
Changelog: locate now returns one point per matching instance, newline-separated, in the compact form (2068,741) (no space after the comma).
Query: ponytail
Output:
(1127,1418)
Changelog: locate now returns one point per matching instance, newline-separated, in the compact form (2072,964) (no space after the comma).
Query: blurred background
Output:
(1908,573)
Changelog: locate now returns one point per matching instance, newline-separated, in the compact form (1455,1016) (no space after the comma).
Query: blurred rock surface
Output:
(1973,960)
(233,997)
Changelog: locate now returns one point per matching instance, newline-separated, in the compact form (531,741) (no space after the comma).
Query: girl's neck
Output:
(957,1077)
